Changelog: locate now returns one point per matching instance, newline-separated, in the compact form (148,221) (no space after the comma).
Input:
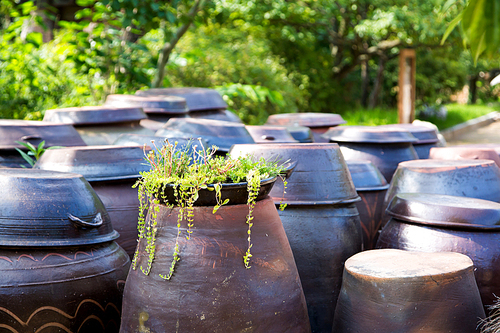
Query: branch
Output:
(169,46)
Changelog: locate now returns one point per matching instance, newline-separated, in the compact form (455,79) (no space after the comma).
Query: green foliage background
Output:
(264,57)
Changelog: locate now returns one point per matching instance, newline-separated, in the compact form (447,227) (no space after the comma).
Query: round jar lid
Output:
(197,99)
(270,134)
(150,104)
(368,134)
(96,163)
(94,115)
(48,208)
(308,119)
(445,211)
(366,176)
(423,134)
(35,132)
(222,134)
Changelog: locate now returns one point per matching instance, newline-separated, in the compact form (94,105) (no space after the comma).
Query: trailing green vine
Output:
(187,171)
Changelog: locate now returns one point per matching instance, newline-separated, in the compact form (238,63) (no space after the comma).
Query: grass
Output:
(457,114)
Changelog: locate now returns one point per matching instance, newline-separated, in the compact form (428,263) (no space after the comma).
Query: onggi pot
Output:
(443,223)
(112,171)
(427,137)
(321,220)
(384,147)
(211,290)
(61,269)
(371,187)
(319,123)
(202,103)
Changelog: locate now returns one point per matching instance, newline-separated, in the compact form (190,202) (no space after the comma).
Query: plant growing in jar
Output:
(178,176)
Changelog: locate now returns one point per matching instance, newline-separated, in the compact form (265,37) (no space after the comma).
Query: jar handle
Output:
(31,137)
(96,221)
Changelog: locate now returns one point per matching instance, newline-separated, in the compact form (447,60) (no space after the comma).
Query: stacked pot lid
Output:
(270,134)
(319,123)
(427,137)
(384,147)
(202,102)
(46,208)
(33,132)
(222,134)
(100,125)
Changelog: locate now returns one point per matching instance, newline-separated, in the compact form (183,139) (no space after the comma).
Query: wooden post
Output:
(406,84)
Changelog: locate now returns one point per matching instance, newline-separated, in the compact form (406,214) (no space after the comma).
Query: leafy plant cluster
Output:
(187,171)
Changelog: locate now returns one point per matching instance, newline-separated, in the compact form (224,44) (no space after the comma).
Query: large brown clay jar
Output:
(61,269)
(441,223)
(321,220)
(211,290)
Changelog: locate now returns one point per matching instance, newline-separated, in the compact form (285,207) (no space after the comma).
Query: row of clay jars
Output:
(321,219)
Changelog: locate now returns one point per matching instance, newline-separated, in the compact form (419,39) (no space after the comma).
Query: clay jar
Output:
(112,171)
(159,109)
(61,269)
(460,153)
(100,125)
(442,223)
(321,219)
(319,123)
(405,291)
(468,178)
(33,132)
(427,137)
(371,187)
(202,103)
(222,134)
(384,147)
(211,290)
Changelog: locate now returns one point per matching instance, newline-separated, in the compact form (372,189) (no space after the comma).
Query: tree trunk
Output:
(374,96)
(168,47)
(365,82)
(473,89)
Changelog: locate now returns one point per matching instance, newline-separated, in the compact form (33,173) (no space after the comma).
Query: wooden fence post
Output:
(406,85)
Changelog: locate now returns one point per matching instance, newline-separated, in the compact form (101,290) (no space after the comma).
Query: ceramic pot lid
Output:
(270,134)
(94,115)
(308,119)
(366,176)
(445,211)
(223,134)
(150,104)
(48,208)
(96,163)
(423,134)
(197,99)
(301,133)
(35,132)
(368,134)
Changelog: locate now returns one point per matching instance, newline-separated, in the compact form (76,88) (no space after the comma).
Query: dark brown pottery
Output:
(442,223)
(320,177)
(222,134)
(427,137)
(466,178)
(384,147)
(270,134)
(321,220)
(371,187)
(61,270)
(392,291)
(112,171)
(159,109)
(34,132)
(301,133)
(100,125)
(319,123)
(211,290)
(202,103)
(460,153)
